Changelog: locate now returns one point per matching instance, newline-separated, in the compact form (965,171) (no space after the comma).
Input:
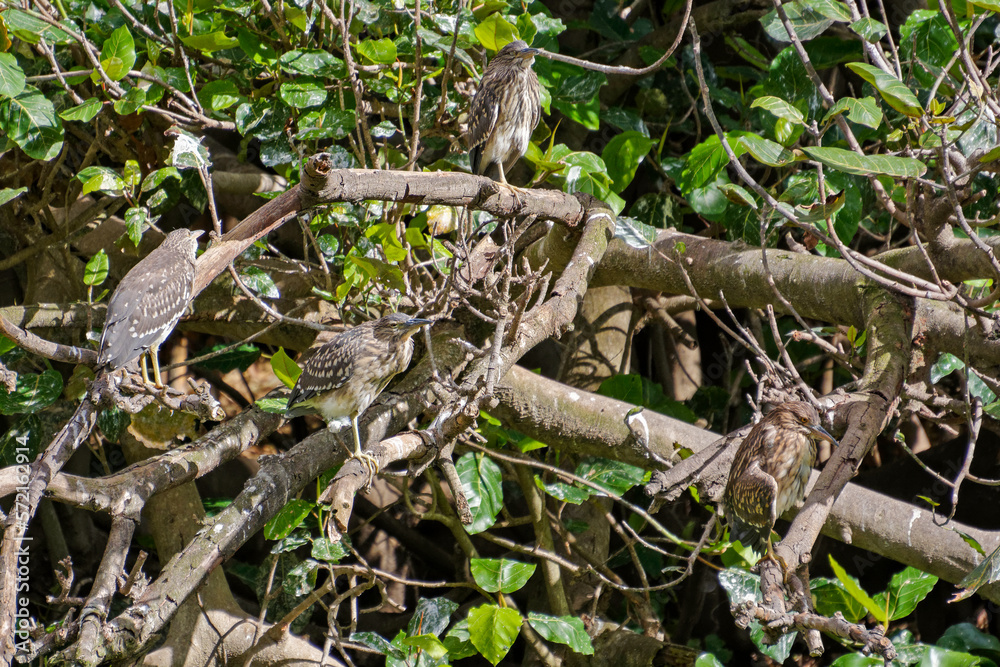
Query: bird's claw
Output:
(371,466)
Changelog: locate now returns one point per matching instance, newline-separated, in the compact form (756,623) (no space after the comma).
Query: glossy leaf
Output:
(285,369)
(96,271)
(568,630)
(33,392)
(892,90)
(481,478)
(500,575)
(493,629)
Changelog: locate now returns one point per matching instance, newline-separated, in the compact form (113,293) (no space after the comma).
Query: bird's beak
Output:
(416,322)
(529,53)
(821,433)
(196,233)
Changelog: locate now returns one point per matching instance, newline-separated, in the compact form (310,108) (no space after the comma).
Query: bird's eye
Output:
(804,420)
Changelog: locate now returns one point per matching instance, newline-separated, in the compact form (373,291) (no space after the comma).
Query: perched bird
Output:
(770,472)
(147,303)
(345,375)
(504,112)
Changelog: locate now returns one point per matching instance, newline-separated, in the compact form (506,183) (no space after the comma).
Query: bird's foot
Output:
(371,466)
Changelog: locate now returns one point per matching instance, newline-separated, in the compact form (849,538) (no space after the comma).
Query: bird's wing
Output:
(328,369)
(482,119)
(144,307)
(750,506)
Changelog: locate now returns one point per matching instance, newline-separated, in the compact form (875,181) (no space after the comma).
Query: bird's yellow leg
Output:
(369,462)
(154,356)
(517,191)
(145,369)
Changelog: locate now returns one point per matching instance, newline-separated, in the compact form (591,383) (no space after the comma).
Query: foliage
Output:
(129,109)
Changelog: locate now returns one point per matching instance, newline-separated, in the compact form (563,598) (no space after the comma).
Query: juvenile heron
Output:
(770,472)
(504,112)
(342,378)
(147,304)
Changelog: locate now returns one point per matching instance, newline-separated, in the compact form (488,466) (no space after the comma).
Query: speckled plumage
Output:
(504,111)
(770,471)
(148,302)
(342,378)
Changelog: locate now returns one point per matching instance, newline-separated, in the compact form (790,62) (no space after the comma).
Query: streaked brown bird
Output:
(147,304)
(770,472)
(504,112)
(342,378)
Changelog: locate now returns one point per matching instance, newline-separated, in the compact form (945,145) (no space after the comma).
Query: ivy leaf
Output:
(287,519)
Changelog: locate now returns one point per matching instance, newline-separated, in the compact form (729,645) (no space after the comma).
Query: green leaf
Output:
(210,42)
(945,365)
(429,644)
(493,629)
(288,519)
(869,29)
(987,572)
(906,590)
(285,369)
(254,46)
(863,111)
(219,94)
(566,630)
(377,51)
(766,151)
(852,163)
(130,101)
(703,164)
(101,179)
(96,271)
(458,641)
(500,575)
(33,392)
(118,54)
(113,423)
(966,637)
(10,194)
(240,358)
(188,151)
(274,406)
(304,92)
(892,90)
(804,20)
(431,616)
(830,596)
(260,281)
(20,444)
(614,477)
(622,156)
(30,121)
(854,589)
(315,62)
(779,108)
(481,479)
(742,586)
(564,492)
(155,178)
(82,112)
(495,32)
(378,643)
(136,221)
(330,552)
(12,77)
